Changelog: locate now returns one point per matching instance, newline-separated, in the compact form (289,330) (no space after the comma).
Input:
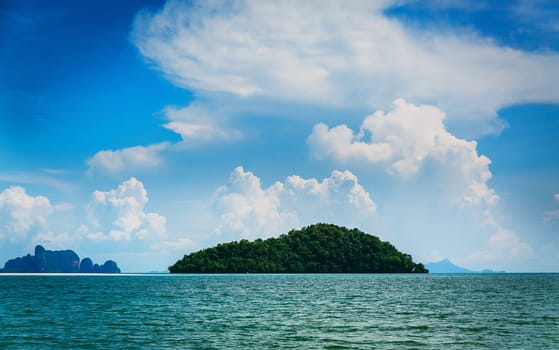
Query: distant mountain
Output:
(56,261)
(446,266)
(320,248)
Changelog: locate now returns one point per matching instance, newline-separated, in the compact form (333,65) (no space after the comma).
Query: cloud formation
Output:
(127,159)
(119,214)
(324,53)
(46,178)
(551,216)
(198,125)
(402,140)
(247,210)
(21,212)
(503,244)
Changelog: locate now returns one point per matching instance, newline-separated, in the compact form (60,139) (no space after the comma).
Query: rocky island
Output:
(320,248)
(56,261)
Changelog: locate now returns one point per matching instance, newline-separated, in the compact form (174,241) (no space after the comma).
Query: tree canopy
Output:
(319,248)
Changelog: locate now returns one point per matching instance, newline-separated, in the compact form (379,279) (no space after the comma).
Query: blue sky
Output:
(143,130)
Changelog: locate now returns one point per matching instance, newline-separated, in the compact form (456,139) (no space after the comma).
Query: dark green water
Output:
(504,311)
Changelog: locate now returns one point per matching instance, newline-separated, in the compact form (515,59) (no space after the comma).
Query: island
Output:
(319,248)
(56,261)
(446,266)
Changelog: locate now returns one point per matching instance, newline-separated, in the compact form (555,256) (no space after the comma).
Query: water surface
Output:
(492,311)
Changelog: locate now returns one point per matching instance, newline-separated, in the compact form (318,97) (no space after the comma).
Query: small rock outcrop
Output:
(109,267)
(56,261)
(86,266)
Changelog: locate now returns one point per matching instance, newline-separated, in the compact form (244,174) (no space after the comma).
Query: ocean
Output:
(400,311)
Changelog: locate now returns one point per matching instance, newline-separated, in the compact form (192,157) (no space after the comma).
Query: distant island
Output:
(57,261)
(319,248)
(446,266)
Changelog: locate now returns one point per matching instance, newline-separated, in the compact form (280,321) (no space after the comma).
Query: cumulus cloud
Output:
(556,197)
(331,54)
(119,214)
(402,140)
(21,212)
(340,187)
(247,210)
(127,159)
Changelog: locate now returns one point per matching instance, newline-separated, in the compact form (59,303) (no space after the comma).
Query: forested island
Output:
(56,261)
(319,248)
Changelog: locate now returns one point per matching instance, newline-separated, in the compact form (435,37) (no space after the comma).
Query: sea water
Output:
(491,311)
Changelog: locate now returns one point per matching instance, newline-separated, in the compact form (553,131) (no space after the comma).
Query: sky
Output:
(140,131)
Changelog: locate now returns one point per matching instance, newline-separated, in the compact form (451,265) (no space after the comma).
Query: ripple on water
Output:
(280,311)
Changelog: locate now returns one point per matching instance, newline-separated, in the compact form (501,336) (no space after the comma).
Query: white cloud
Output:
(127,159)
(340,187)
(180,245)
(119,214)
(556,197)
(20,177)
(246,209)
(63,207)
(54,240)
(539,14)
(331,54)
(508,242)
(198,125)
(503,245)
(20,213)
(402,140)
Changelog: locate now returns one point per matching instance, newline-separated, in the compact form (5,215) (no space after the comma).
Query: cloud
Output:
(247,210)
(340,188)
(502,245)
(197,124)
(244,207)
(326,54)
(119,214)
(402,140)
(550,216)
(21,177)
(180,245)
(540,14)
(20,213)
(127,159)
(407,141)
(464,5)
(54,240)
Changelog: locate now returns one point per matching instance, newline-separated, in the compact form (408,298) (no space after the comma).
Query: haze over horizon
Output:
(139,131)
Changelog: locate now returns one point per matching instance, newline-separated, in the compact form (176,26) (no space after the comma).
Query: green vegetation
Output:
(320,248)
